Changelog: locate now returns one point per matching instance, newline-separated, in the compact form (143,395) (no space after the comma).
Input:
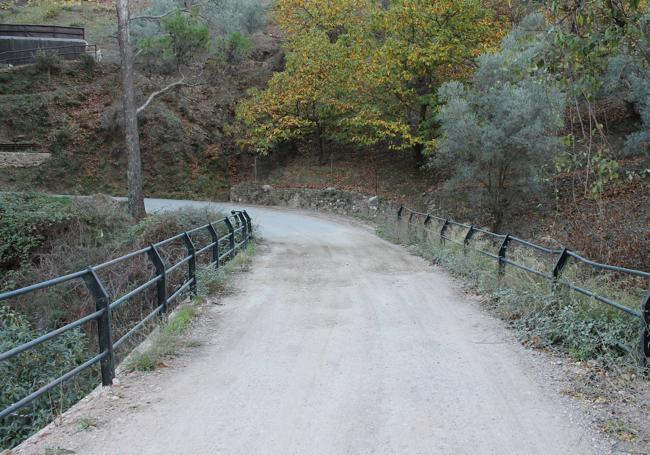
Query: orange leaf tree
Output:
(360,72)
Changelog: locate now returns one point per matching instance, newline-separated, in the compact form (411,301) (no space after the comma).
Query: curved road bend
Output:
(339,342)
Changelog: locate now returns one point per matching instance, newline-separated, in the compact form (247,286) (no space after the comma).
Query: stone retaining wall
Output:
(327,200)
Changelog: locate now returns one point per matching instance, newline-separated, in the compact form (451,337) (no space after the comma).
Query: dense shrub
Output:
(627,76)
(237,46)
(87,62)
(499,132)
(47,61)
(181,40)
(29,371)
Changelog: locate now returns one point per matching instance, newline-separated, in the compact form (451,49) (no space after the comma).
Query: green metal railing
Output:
(221,249)
(557,257)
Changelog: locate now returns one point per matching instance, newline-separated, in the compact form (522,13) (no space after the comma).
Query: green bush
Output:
(87,62)
(25,222)
(27,372)
(237,47)
(499,132)
(182,39)
(51,10)
(47,61)
(220,28)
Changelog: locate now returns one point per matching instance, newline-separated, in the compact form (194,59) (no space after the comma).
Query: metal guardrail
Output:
(559,257)
(221,248)
(25,56)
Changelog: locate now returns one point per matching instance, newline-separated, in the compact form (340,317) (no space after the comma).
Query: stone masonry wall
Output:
(326,200)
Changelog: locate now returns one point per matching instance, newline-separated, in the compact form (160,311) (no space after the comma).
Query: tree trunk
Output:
(131,136)
(321,146)
(418,149)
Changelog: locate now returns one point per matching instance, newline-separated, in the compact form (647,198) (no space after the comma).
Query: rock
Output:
(330,188)
(267,188)
(373,200)
(294,202)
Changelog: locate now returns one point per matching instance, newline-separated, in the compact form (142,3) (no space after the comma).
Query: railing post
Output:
(502,254)
(645,332)
(215,248)
(245,225)
(443,230)
(468,238)
(234,215)
(250,223)
(560,262)
(191,265)
(161,271)
(104,325)
(425,231)
(232,237)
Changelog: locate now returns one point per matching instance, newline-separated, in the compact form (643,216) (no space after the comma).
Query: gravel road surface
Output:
(337,342)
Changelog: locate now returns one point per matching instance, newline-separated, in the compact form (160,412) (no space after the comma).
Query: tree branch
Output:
(156,18)
(178,83)
(164,15)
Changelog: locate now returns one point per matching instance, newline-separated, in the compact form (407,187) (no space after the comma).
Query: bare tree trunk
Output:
(131,136)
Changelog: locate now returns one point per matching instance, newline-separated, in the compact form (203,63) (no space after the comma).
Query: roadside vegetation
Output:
(543,314)
(172,336)
(43,237)
(550,94)
(595,346)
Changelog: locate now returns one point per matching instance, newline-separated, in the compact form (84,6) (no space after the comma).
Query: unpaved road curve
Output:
(341,343)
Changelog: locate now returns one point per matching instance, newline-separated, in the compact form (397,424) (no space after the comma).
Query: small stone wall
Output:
(326,200)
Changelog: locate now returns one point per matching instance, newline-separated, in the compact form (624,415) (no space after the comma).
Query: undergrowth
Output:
(170,338)
(543,315)
(166,343)
(42,237)
(22,374)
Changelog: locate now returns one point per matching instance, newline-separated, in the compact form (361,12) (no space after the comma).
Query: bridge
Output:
(336,342)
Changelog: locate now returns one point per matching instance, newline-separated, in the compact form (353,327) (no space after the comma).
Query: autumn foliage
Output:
(358,72)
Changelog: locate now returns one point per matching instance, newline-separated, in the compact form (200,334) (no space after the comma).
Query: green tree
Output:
(425,44)
(363,73)
(499,132)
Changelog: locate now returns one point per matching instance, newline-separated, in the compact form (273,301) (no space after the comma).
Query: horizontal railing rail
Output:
(558,258)
(238,232)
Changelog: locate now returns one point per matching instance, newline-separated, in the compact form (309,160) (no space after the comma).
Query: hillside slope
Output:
(190,151)
(73,113)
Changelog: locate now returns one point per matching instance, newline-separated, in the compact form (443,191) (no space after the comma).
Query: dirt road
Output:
(338,342)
